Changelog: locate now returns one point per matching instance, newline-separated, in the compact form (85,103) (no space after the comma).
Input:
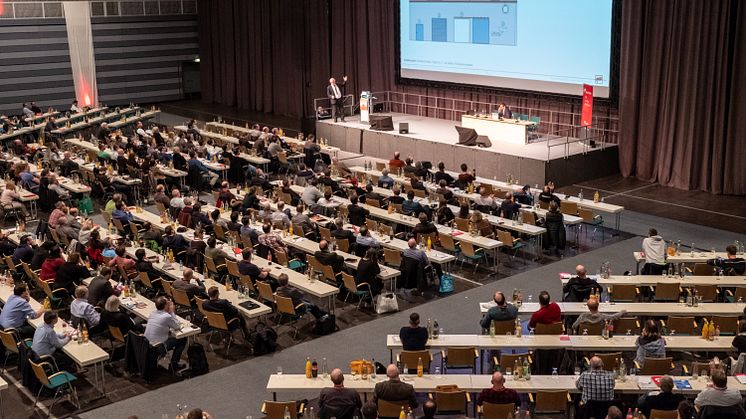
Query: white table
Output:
(654,280)
(638,309)
(511,131)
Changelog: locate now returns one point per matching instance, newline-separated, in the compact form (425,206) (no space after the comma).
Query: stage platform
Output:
(431,139)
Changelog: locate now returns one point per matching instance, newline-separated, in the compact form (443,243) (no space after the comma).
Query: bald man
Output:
(498,393)
(394,390)
(337,401)
(580,287)
(593,317)
(501,311)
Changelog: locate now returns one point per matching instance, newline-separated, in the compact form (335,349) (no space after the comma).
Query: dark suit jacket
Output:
(99,290)
(222,306)
(330,258)
(340,403)
(357,214)
(330,92)
(394,391)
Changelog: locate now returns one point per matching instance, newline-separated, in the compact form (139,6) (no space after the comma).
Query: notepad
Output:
(682,384)
(646,383)
(741,378)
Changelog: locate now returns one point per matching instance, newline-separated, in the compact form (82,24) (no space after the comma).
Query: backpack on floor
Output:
(197,360)
(446,284)
(326,325)
(263,339)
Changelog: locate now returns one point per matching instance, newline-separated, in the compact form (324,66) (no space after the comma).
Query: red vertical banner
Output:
(586,117)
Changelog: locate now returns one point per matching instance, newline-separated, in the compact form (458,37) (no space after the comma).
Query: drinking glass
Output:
(279,370)
(577,372)
(508,371)
(437,370)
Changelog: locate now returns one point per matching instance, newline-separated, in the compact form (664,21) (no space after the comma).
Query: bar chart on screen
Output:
(487,22)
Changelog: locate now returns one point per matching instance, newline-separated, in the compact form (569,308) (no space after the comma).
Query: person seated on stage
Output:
(272,240)
(718,393)
(665,399)
(416,183)
(413,337)
(47,341)
(218,255)
(338,401)
(17,310)
(251,200)
(524,196)
(220,305)
(650,343)
(480,223)
(368,270)
(596,384)
(28,180)
(385,181)
(225,196)
(356,213)
(396,163)
(286,290)
(593,317)
(509,208)
(444,215)
(304,175)
(465,177)
(207,174)
(498,393)
(74,107)
(414,253)
(503,111)
(412,207)
(81,309)
(325,257)
(580,287)
(366,240)
(654,250)
(501,311)
(424,227)
(732,264)
(546,195)
(549,312)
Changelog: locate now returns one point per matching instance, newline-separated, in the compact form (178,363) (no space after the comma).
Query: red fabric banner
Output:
(587,115)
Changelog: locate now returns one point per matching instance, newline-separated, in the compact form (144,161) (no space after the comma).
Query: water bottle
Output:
(555,374)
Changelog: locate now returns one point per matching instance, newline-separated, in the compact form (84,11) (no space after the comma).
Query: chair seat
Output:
(60,379)
(296,264)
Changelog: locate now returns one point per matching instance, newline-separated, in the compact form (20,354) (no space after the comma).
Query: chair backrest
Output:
(452,401)
(683,325)
(504,327)
(167,288)
(282,258)
(551,401)
(592,328)
(219,231)
(349,282)
(656,366)
(181,297)
(116,334)
(505,237)
(701,368)
(497,411)
(276,410)
(544,205)
(586,215)
(135,232)
(328,272)
(210,263)
(373,202)
(232,266)
(265,291)
(9,340)
(285,305)
(663,414)
(216,320)
(727,324)
(344,245)
(569,207)
(447,242)
(549,329)
(509,360)
(392,257)
(708,293)
(461,224)
(55,236)
(380,166)
(620,292)
(325,233)
(117,224)
(9,262)
(313,263)
(627,323)
(371,224)
(39,372)
(468,249)
(460,357)
(391,409)
(610,360)
(409,359)
(528,217)
(703,269)
(667,291)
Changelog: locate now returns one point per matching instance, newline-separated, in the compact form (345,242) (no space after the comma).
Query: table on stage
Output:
(511,131)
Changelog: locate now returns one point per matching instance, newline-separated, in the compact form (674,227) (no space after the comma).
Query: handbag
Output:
(386,303)
(446,284)
(85,205)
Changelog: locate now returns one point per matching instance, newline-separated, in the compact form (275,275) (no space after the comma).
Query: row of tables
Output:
(653,280)
(636,309)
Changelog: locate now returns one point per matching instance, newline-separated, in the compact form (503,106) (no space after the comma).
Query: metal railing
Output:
(24,9)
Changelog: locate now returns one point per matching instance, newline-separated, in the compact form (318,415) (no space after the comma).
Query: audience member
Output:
(413,337)
(338,401)
(500,312)
(549,312)
(394,390)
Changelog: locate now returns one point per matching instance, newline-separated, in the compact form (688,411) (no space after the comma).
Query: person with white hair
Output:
(336,97)
(394,390)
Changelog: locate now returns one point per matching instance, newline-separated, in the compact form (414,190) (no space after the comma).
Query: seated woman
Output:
(51,264)
(121,260)
(368,270)
(114,316)
(650,344)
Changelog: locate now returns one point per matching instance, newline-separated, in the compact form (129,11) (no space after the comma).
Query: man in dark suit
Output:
(394,389)
(336,97)
(504,111)
(580,287)
(356,213)
(220,305)
(100,288)
(325,257)
(338,402)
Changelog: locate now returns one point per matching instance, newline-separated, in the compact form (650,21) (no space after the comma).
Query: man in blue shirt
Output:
(194,162)
(120,213)
(83,310)
(24,252)
(157,331)
(29,181)
(17,309)
(385,181)
(411,207)
(47,341)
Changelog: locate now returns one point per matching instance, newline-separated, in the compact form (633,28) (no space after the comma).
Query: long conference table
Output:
(298,383)
(654,280)
(637,309)
(696,256)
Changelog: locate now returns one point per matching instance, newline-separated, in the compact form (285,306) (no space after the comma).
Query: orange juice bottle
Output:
(308,367)
(420,367)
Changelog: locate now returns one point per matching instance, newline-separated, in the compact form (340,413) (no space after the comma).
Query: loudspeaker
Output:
(381,123)
(403,127)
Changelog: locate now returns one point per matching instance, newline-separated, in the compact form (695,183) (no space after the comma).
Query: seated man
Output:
(732,264)
(501,311)
(70,274)
(594,317)
(366,240)
(220,305)
(246,267)
(718,394)
(160,323)
(301,218)
(100,289)
(580,287)
(341,233)
(394,390)
(144,265)
(176,242)
(498,393)
(218,255)
(272,240)
(288,291)
(549,312)
(424,227)
(412,207)
(279,217)
(16,310)
(441,174)
(664,399)
(396,163)
(596,384)
(189,284)
(81,309)
(356,213)
(338,401)
(325,257)
(47,341)
(385,181)
(414,253)
(196,164)
(509,208)
(413,337)
(369,194)
(64,229)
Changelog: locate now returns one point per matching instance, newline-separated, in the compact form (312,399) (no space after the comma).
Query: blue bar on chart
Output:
(480,30)
(419,32)
(440,29)
(462,29)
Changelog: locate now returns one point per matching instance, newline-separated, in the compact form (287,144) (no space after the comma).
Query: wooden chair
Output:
(212,269)
(682,325)
(373,202)
(624,293)
(511,243)
(167,288)
(475,255)
(504,327)
(703,269)
(460,358)
(449,399)
(739,294)
(219,232)
(58,382)
(550,401)
(655,366)
(593,221)
(56,297)
(380,166)
(627,323)
(11,342)
(528,217)
(344,245)
(496,411)
(265,292)
(667,292)
(294,264)
(461,224)
(115,337)
(392,257)
(708,293)
(391,409)
(409,359)
(285,307)
(549,329)
(663,414)
(276,410)
(448,243)
(698,368)
(217,323)
(325,233)
(371,224)
(569,207)
(386,229)
(147,283)
(728,325)
(348,281)
(329,274)
(182,301)
(610,360)
(594,329)
(314,264)
(508,360)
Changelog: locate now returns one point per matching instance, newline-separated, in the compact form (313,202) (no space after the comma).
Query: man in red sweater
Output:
(549,312)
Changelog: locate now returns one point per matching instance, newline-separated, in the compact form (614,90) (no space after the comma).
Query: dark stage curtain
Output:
(682,102)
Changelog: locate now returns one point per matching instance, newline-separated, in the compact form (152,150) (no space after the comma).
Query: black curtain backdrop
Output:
(682,104)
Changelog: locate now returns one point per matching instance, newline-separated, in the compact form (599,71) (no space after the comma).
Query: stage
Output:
(434,140)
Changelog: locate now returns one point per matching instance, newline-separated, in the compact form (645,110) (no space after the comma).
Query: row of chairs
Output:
(663,292)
